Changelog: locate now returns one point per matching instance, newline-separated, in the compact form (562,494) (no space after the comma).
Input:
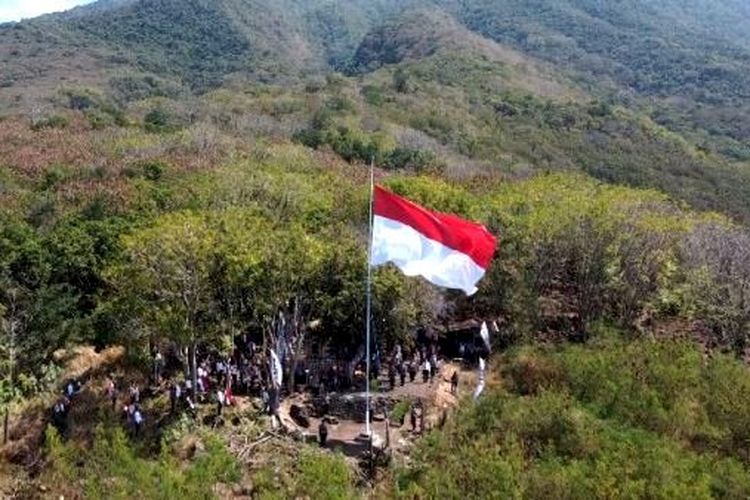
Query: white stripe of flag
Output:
(447,251)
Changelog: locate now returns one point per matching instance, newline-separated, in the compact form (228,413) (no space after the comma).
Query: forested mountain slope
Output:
(694,54)
(174,173)
(674,74)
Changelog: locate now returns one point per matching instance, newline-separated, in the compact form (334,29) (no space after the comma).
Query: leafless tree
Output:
(718,260)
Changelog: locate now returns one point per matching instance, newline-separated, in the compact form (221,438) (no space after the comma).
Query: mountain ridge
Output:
(621,56)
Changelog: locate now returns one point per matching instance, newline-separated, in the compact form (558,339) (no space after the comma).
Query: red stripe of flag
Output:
(458,234)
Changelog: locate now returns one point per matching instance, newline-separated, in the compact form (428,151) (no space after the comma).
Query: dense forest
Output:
(173,173)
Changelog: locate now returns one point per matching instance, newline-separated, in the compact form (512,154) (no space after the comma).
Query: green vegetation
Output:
(283,222)
(399,411)
(609,419)
(54,121)
(160,121)
(113,469)
(204,165)
(639,103)
(314,475)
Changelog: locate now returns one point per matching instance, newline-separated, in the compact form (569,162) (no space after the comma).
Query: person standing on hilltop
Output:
(323,433)
(191,406)
(201,379)
(174,396)
(265,397)
(137,420)
(59,417)
(158,367)
(111,391)
(70,389)
(220,401)
(135,394)
(454,382)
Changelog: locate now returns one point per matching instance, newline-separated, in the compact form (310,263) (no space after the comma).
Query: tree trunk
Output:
(296,355)
(290,386)
(193,370)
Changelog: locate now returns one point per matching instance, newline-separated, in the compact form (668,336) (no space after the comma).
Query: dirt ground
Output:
(23,453)
(346,436)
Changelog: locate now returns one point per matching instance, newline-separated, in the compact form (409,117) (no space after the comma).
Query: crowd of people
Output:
(424,360)
(62,406)
(244,372)
(401,368)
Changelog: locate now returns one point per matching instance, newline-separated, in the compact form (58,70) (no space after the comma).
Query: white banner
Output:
(480,386)
(484,332)
(276,371)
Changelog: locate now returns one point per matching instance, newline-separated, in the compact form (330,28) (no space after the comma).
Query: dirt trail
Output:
(23,453)
(346,435)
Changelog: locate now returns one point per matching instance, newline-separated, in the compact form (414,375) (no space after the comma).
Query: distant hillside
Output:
(199,43)
(178,173)
(636,92)
(694,56)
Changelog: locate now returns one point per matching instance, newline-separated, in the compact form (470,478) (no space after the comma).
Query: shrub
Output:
(153,170)
(313,475)
(401,81)
(373,95)
(551,444)
(53,176)
(324,476)
(81,100)
(135,88)
(159,120)
(339,104)
(409,159)
(114,470)
(99,120)
(399,411)
(665,387)
(531,371)
(53,121)
(310,137)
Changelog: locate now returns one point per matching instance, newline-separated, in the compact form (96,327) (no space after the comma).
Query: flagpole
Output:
(369,301)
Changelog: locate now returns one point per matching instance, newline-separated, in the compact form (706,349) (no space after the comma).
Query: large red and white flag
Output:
(444,249)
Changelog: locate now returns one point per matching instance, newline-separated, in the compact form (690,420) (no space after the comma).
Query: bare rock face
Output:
(352,406)
(300,416)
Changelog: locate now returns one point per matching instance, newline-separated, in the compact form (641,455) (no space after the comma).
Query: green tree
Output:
(167,277)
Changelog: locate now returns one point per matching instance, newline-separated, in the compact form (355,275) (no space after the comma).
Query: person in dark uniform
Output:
(392,376)
(323,433)
(137,420)
(412,370)
(174,396)
(402,373)
(413,417)
(59,417)
(454,382)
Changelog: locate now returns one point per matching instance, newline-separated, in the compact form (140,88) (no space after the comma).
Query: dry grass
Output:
(29,421)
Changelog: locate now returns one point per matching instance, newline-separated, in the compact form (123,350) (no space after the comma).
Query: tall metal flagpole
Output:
(369,300)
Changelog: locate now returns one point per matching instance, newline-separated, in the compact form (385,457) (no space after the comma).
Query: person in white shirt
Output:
(137,420)
(220,401)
